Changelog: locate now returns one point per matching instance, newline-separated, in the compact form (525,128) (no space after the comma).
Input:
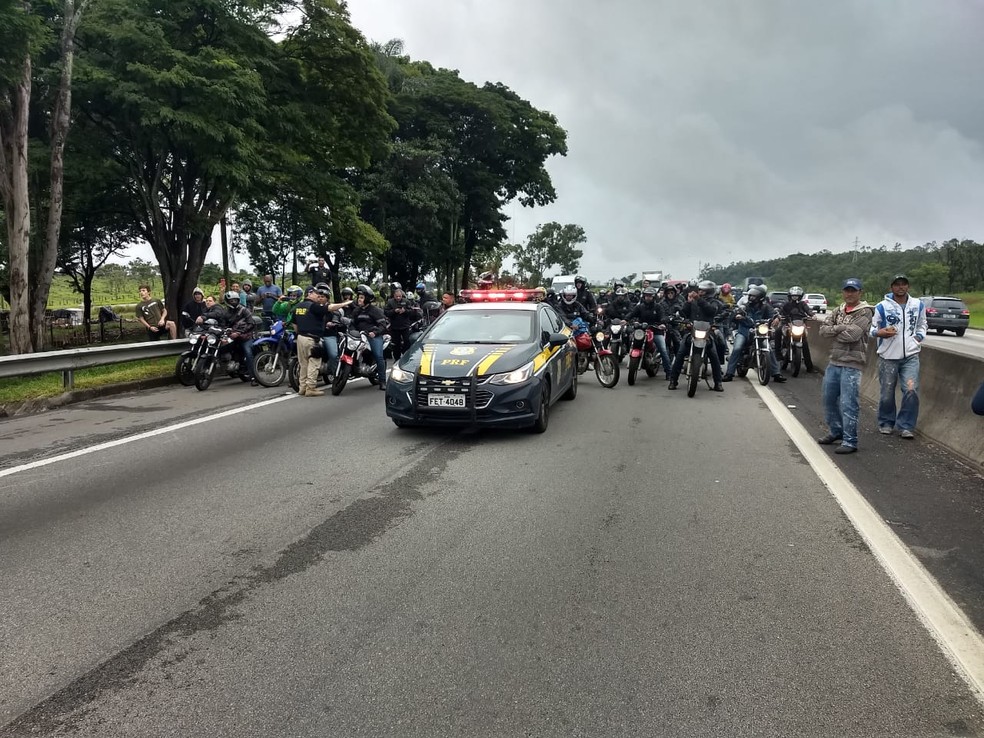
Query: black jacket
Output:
(798,310)
(618,309)
(700,309)
(651,313)
(369,318)
(195,310)
(586,299)
(402,321)
(574,310)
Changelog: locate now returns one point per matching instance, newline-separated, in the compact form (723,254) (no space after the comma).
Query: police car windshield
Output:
(479,326)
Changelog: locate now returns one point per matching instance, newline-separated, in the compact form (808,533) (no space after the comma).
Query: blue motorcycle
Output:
(271,355)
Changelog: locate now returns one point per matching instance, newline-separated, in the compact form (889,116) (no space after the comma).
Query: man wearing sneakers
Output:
(900,326)
(848,327)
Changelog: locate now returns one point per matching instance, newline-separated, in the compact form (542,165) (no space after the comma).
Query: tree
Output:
(203,108)
(551,245)
(930,278)
(28,32)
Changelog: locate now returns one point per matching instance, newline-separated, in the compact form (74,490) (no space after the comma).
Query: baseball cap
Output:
(900,278)
(851,284)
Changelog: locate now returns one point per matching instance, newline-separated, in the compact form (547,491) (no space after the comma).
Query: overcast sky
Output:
(715,131)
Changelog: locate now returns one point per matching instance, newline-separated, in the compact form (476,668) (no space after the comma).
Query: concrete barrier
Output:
(947,383)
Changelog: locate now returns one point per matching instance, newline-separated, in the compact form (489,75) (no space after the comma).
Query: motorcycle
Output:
(758,351)
(699,360)
(605,364)
(643,352)
(271,355)
(355,359)
(221,353)
(793,340)
(184,369)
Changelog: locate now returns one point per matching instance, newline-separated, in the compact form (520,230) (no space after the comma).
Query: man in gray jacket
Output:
(848,326)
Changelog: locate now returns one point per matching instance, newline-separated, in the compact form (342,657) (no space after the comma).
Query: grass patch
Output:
(975,303)
(50,385)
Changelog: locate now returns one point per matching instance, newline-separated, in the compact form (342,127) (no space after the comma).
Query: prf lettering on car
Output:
(455,362)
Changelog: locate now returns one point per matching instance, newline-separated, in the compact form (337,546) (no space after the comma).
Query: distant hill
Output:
(953,266)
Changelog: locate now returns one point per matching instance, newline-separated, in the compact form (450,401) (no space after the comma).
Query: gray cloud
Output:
(710,131)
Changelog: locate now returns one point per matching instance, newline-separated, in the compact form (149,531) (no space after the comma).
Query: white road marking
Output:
(945,621)
(141,436)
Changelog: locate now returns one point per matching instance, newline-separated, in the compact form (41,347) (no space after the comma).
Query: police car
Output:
(501,359)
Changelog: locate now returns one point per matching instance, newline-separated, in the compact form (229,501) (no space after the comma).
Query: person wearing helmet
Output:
(283,309)
(401,314)
(727,324)
(584,295)
(619,306)
(370,318)
(650,310)
(239,320)
(422,294)
(756,308)
(697,307)
(796,308)
(569,307)
(552,298)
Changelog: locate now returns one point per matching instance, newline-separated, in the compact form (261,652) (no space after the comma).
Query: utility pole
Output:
(854,260)
(225,252)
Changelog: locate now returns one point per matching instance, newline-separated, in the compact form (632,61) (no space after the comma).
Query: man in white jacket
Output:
(899,324)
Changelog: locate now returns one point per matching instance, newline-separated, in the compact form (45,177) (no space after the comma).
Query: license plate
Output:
(446,401)
(949,317)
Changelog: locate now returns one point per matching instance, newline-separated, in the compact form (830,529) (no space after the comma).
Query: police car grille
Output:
(453,386)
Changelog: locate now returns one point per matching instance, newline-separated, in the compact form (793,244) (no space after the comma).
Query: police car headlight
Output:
(398,375)
(515,377)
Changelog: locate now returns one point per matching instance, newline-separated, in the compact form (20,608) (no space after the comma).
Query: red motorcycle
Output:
(643,352)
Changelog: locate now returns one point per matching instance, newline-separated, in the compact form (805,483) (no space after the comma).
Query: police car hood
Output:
(438,359)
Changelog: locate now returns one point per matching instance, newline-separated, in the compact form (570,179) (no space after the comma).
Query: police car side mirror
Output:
(557,339)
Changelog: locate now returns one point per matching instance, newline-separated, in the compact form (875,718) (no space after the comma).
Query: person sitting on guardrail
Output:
(152,315)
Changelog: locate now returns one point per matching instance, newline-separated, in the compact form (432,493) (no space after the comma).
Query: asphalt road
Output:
(970,343)
(652,565)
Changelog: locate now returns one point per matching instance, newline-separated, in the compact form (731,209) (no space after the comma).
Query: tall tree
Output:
(27,37)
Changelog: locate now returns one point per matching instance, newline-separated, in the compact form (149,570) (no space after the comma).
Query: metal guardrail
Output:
(69,361)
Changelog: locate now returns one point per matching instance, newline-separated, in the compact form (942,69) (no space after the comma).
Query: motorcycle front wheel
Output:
(762,367)
(650,365)
(633,369)
(694,372)
(607,371)
(797,360)
(204,371)
(341,377)
(184,370)
(270,368)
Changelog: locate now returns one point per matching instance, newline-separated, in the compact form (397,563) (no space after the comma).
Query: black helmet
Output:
(756,292)
(366,291)
(649,292)
(795,294)
(323,292)
(348,292)
(231,298)
(707,288)
(580,278)
(568,295)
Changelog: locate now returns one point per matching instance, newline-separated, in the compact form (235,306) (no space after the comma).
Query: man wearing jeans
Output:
(847,326)
(899,324)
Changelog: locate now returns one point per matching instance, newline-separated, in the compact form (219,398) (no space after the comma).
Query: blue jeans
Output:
(664,353)
(247,346)
(890,373)
(841,395)
(376,346)
(740,340)
(331,351)
(685,346)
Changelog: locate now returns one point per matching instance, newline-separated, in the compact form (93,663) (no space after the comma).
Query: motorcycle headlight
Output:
(798,330)
(639,334)
(194,339)
(700,335)
(599,336)
(398,375)
(212,340)
(763,329)
(515,377)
